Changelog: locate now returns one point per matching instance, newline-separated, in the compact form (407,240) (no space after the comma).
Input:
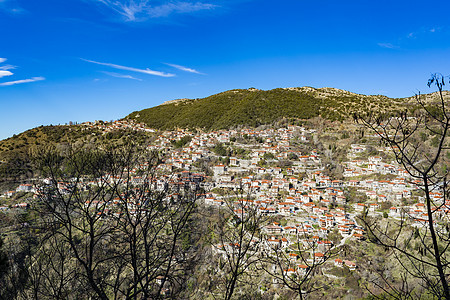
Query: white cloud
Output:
(186,69)
(7,67)
(113,74)
(2,60)
(139,10)
(145,71)
(22,81)
(5,73)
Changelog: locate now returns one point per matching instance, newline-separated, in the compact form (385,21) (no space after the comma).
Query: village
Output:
(275,172)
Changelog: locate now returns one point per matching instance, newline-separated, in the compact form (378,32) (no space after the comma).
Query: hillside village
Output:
(224,150)
(277,173)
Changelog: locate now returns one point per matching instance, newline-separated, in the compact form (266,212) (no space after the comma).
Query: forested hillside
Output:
(254,107)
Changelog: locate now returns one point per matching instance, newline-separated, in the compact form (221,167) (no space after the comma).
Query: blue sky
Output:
(85,60)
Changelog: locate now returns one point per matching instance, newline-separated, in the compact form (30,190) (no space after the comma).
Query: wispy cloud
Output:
(2,60)
(186,69)
(113,74)
(22,81)
(178,7)
(423,32)
(5,73)
(145,71)
(406,40)
(140,10)
(7,67)
(388,46)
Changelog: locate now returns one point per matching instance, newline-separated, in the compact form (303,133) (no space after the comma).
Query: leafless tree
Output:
(237,240)
(294,265)
(117,226)
(418,137)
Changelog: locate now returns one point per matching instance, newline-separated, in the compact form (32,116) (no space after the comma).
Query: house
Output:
(302,269)
(359,207)
(273,229)
(358,236)
(319,257)
(382,198)
(25,188)
(357,148)
(209,200)
(290,230)
(9,194)
(338,262)
(273,242)
(344,229)
(353,183)
(219,169)
(373,207)
(289,272)
(351,265)
(375,159)
(284,242)
(341,199)
(324,245)
(394,211)
(21,205)
(293,256)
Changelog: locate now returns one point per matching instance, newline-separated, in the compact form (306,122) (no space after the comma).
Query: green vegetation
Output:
(182,142)
(256,107)
(220,149)
(16,152)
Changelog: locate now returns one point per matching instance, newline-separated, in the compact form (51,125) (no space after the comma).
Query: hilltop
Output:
(253,107)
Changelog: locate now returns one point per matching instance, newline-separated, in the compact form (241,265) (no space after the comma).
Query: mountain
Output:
(250,107)
(253,107)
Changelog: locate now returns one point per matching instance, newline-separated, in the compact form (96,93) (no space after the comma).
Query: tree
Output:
(112,227)
(268,156)
(220,149)
(237,241)
(294,265)
(13,269)
(419,243)
(4,265)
